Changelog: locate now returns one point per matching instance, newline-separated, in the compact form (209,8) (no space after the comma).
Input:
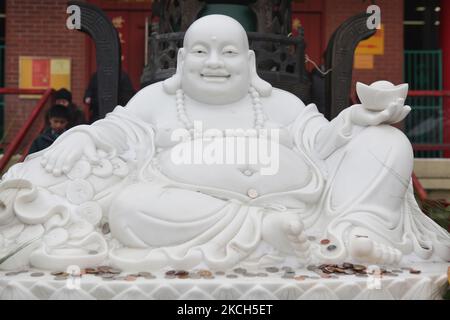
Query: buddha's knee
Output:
(388,145)
(376,165)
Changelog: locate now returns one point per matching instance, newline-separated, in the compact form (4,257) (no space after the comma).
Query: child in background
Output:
(58,117)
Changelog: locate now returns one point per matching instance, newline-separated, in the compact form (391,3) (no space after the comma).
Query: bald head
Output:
(213,27)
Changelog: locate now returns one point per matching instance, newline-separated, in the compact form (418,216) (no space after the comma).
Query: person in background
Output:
(126,92)
(59,118)
(64,97)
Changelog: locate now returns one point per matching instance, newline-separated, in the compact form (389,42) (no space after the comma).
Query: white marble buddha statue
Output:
(346,181)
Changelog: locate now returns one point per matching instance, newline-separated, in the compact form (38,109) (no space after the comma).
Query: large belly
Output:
(281,169)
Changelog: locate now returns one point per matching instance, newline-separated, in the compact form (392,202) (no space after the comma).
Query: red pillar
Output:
(445,46)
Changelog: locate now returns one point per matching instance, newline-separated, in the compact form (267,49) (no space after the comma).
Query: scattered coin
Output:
(324,241)
(240,270)
(88,271)
(349,271)
(115,271)
(272,269)
(37,274)
(414,271)
(331,247)
(262,274)
(171,272)
(105,228)
(347,265)
(220,273)
(358,267)
(299,278)
(181,273)
(144,274)
(130,278)
(57,273)
(194,275)
(232,276)
(205,273)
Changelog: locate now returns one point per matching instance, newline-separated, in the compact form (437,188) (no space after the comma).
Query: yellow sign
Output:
(373,45)
(43,73)
(363,61)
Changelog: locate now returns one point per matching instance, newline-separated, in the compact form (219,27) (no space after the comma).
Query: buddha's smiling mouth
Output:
(215,77)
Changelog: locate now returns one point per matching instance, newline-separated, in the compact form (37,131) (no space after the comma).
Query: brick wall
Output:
(38,28)
(388,66)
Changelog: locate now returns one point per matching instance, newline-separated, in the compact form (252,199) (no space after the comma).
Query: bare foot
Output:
(364,249)
(285,232)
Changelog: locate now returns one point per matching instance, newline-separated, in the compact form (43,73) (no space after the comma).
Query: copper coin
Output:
(170,272)
(181,273)
(144,274)
(324,241)
(37,274)
(299,278)
(358,267)
(130,278)
(414,271)
(347,265)
(205,273)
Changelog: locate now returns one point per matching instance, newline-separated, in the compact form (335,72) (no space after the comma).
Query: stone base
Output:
(431,283)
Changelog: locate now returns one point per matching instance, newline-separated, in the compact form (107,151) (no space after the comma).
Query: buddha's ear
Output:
(172,84)
(263,87)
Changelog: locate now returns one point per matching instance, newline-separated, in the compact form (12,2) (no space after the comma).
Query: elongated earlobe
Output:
(172,84)
(263,87)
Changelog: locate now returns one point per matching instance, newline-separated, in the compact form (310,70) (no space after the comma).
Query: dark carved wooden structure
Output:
(99,27)
(280,59)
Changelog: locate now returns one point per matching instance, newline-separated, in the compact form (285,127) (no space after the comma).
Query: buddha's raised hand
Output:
(395,112)
(62,156)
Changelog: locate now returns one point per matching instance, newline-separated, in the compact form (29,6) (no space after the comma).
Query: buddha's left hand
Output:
(395,112)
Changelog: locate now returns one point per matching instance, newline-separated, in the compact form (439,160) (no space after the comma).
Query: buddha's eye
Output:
(199,50)
(229,51)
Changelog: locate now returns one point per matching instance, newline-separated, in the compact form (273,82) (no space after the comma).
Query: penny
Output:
(311,268)
(262,274)
(358,267)
(105,228)
(116,271)
(232,276)
(57,273)
(144,274)
(181,273)
(414,271)
(324,241)
(170,272)
(37,274)
(272,269)
(349,271)
(299,278)
(347,265)
(130,278)
(220,273)
(328,270)
(340,270)
(331,247)
(88,271)
(240,270)
(205,273)
(183,276)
